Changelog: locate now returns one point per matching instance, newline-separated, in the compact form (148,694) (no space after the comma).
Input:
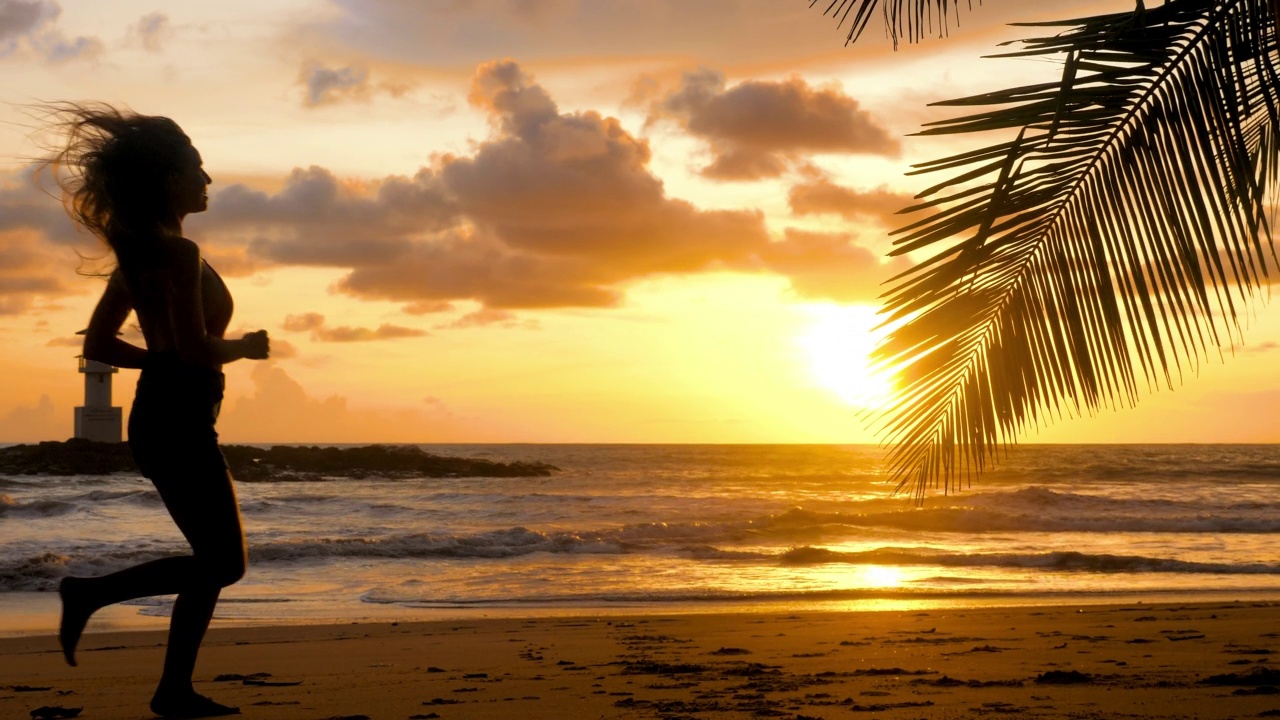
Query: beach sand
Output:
(1202,660)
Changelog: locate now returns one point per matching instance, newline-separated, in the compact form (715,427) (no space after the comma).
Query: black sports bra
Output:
(217,302)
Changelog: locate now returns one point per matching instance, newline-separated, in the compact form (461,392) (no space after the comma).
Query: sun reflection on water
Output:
(883,576)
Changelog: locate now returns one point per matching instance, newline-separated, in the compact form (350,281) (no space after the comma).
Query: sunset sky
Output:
(530,220)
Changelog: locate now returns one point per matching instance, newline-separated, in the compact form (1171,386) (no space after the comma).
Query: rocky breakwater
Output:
(268,464)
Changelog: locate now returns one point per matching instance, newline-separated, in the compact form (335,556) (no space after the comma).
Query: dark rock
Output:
(73,457)
(881,707)
(274,464)
(661,668)
(50,712)
(1063,677)
(1251,678)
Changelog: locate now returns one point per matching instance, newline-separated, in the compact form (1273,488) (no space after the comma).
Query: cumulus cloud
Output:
(32,424)
(563,208)
(38,246)
(233,261)
(830,266)
(303,322)
(317,219)
(30,270)
(280,410)
(486,317)
(823,197)
(427,307)
(152,30)
(330,86)
(19,19)
(361,334)
(282,349)
(32,25)
(320,332)
(554,209)
(27,206)
(17,293)
(759,129)
(59,49)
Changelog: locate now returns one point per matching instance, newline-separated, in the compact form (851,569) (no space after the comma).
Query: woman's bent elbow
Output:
(94,350)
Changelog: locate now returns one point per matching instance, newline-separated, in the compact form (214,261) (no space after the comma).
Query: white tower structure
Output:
(97,420)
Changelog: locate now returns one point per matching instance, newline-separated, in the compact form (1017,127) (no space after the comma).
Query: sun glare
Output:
(883,576)
(838,343)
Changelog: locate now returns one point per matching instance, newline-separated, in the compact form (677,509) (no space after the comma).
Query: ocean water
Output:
(670,528)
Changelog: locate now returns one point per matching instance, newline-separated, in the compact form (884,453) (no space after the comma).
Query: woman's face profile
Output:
(191,186)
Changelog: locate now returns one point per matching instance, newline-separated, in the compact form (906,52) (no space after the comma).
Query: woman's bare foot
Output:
(188,704)
(75,615)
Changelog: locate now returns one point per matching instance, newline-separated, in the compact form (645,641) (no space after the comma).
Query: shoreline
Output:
(1166,660)
(35,614)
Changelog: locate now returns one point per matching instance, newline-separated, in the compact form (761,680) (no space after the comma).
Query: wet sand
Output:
(1203,660)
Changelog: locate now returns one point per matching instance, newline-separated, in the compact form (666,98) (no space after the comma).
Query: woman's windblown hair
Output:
(115,168)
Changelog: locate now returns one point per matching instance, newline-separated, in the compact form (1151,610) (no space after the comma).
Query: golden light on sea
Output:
(883,576)
(838,342)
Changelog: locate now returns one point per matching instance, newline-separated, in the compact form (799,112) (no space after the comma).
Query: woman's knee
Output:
(225,567)
(232,572)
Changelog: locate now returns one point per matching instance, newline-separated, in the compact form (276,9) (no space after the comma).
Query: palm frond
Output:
(1104,251)
(909,19)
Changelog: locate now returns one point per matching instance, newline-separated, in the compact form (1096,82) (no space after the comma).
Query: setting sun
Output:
(839,342)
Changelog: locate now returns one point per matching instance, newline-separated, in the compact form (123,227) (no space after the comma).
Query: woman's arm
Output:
(100,341)
(194,343)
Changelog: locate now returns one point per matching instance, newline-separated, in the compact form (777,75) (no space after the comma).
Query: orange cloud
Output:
(31,26)
(351,83)
(823,197)
(38,246)
(314,323)
(231,261)
(361,334)
(316,219)
(487,317)
(555,209)
(32,424)
(152,31)
(280,410)
(303,322)
(830,266)
(427,307)
(30,270)
(759,129)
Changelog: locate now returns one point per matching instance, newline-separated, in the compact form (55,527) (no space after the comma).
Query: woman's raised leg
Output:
(203,505)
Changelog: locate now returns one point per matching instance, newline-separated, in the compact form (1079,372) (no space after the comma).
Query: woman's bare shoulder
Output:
(161,245)
(181,247)
(175,252)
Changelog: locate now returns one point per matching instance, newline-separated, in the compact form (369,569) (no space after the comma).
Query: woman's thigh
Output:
(191,475)
(202,501)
